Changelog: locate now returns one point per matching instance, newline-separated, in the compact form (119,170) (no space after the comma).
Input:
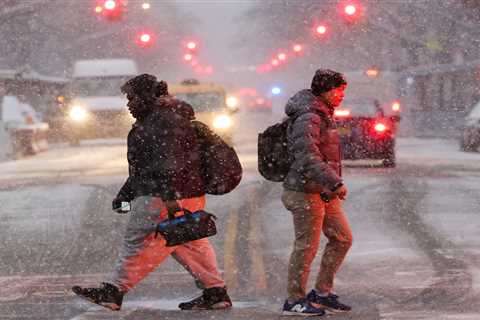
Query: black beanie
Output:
(325,80)
(145,86)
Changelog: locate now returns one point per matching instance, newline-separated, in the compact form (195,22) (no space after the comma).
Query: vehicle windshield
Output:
(362,108)
(203,101)
(98,87)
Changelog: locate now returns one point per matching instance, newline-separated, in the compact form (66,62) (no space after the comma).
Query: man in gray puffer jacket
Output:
(315,173)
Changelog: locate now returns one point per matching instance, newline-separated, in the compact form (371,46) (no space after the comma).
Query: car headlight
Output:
(222,122)
(232,102)
(78,113)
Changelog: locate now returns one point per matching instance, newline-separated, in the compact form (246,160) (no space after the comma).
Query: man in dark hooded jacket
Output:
(164,176)
(315,174)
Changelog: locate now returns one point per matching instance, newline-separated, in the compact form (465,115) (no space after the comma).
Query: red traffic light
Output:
(191,45)
(110,9)
(297,48)
(282,56)
(145,39)
(321,29)
(350,9)
(110,5)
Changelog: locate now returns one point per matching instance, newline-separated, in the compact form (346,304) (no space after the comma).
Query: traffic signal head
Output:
(145,39)
(350,10)
(282,56)
(297,48)
(110,5)
(191,45)
(111,9)
(321,29)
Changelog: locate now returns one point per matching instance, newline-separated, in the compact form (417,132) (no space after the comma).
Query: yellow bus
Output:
(209,101)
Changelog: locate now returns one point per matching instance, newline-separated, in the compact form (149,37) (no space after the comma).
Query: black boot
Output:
(107,295)
(212,298)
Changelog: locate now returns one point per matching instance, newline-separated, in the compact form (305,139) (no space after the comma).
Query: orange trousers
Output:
(141,252)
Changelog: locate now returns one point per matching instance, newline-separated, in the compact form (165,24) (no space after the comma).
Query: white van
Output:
(96,107)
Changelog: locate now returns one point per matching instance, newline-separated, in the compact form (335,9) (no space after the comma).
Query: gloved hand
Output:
(172,208)
(120,205)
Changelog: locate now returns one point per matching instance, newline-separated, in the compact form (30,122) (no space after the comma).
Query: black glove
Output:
(120,205)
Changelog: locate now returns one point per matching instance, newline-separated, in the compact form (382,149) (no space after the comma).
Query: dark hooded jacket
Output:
(314,144)
(163,154)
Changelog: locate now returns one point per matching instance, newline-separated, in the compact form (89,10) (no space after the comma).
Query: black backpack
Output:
(221,168)
(273,159)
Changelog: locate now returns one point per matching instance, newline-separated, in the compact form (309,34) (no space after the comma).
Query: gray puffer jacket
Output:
(314,143)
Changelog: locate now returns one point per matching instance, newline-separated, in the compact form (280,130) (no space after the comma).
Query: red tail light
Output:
(380,127)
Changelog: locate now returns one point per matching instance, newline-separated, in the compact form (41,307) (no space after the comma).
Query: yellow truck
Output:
(209,101)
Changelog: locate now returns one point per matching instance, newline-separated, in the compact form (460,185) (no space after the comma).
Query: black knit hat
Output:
(145,86)
(325,80)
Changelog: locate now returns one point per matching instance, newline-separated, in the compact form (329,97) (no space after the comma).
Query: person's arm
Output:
(307,130)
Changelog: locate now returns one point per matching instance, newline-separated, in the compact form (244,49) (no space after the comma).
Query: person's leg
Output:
(337,230)
(141,252)
(308,211)
(198,257)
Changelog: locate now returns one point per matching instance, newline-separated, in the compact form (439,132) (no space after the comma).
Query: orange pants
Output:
(141,252)
(311,216)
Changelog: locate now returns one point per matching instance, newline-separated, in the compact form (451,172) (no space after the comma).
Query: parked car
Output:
(367,131)
(26,133)
(470,137)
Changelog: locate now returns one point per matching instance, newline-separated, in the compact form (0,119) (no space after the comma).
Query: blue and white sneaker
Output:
(329,303)
(301,308)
